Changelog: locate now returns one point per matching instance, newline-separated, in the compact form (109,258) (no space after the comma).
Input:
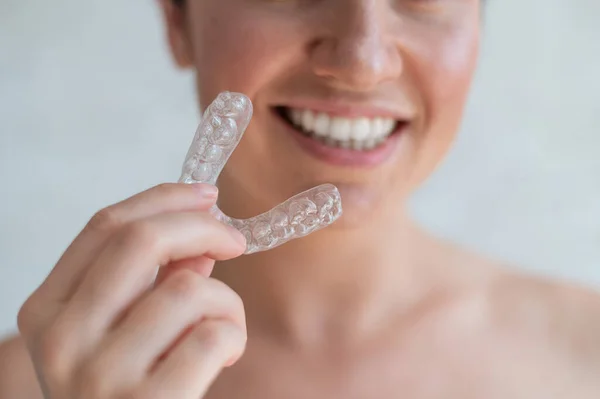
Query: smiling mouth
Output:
(356,133)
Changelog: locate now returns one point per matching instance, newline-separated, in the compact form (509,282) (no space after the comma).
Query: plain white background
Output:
(91,111)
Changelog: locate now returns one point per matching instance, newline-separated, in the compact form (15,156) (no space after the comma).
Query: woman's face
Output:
(365,94)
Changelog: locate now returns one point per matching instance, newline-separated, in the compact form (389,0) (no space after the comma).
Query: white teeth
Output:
(296,116)
(378,125)
(340,128)
(389,124)
(357,133)
(307,120)
(361,129)
(321,125)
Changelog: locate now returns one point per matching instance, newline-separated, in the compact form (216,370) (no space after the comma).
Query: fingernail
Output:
(237,235)
(207,190)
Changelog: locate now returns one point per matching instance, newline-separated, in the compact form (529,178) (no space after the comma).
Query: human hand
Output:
(99,327)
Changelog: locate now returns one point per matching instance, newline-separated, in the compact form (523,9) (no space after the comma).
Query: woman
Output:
(367,95)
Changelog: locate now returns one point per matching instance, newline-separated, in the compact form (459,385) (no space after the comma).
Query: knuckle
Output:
(26,316)
(240,337)
(238,303)
(237,339)
(233,299)
(141,233)
(104,220)
(166,189)
(233,296)
(221,336)
(184,285)
(211,334)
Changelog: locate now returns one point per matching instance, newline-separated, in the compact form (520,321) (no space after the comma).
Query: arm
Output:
(17,377)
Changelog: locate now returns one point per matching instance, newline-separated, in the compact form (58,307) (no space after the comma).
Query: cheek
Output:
(441,67)
(445,75)
(248,51)
(239,51)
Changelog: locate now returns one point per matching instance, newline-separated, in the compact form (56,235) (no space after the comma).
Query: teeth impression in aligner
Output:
(219,133)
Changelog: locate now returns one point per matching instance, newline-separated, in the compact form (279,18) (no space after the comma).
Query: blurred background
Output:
(92,111)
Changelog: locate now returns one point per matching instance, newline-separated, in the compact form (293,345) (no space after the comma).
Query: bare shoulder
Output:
(542,303)
(561,319)
(563,313)
(539,328)
(539,336)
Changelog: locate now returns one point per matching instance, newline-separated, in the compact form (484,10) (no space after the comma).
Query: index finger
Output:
(165,198)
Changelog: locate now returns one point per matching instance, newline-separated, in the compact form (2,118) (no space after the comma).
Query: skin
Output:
(370,307)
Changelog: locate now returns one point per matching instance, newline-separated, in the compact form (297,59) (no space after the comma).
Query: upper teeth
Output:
(342,129)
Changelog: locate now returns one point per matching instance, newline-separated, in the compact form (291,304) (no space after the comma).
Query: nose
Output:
(357,52)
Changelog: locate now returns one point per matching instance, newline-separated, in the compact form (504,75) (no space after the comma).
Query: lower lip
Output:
(343,156)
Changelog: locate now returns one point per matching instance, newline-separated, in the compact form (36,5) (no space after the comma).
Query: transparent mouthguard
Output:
(219,133)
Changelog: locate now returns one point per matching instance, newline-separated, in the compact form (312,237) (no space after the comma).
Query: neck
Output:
(334,284)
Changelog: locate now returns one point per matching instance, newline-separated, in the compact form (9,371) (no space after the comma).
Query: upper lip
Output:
(371,109)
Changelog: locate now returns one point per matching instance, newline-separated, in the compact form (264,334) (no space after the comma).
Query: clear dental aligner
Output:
(219,133)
